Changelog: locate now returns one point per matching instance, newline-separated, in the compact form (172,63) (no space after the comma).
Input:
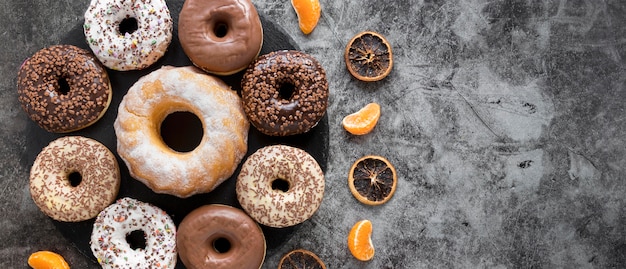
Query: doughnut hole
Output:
(136,239)
(75,178)
(280,184)
(286,91)
(182,131)
(64,86)
(220,29)
(128,25)
(221,245)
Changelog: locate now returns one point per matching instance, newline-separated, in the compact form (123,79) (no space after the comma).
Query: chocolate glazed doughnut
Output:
(63,88)
(220,236)
(285,93)
(220,37)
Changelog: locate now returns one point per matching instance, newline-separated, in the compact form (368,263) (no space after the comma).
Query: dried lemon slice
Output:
(301,259)
(372,180)
(368,56)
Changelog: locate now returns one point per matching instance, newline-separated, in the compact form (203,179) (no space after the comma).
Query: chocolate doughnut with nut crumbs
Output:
(63,88)
(285,93)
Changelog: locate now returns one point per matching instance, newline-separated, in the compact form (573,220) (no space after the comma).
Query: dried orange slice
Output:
(309,12)
(368,56)
(363,121)
(360,241)
(47,260)
(301,259)
(372,180)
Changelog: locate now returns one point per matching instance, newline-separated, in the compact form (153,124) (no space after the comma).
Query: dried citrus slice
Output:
(363,121)
(372,180)
(309,12)
(47,260)
(368,56)
(360,240)
(301,259)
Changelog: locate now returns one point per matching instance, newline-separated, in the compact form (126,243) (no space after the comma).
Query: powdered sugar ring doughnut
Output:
(261,196)
(96,172)
(131,50)
(108,238)
(150,160)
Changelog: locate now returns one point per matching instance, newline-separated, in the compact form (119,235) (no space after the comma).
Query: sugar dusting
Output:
(154,163)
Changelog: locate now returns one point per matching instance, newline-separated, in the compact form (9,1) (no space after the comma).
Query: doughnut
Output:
(63,88)
(181,89)
(285,93)
(74,178)
(220,236)
(128,35)
(220,37)
(112,249)
(280,186)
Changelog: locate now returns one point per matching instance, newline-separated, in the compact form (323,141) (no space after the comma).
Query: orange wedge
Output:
(309,12)
(363,121)
(360,241)
(47,260)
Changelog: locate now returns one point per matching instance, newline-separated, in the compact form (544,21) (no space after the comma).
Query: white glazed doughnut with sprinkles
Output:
(280,186)
(122,49)
(127,215)
(74,178)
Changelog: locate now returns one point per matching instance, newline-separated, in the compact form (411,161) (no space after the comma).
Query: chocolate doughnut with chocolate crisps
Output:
(63,88)
(285,93)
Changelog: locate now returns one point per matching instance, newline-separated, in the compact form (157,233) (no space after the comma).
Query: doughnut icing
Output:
(276,207)
(220,37)
(50,183)
(54,108)
(276,112)
(128,50)
(173,89)
(200,232)
(108,237)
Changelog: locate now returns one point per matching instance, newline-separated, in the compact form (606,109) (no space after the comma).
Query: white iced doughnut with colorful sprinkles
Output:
(109,242)
(128,35)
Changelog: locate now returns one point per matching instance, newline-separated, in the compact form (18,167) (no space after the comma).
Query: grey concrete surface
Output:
(505,121)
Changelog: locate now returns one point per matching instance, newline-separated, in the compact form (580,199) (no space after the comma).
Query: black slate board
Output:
(314,142)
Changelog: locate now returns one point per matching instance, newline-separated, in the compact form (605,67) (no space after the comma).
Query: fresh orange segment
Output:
(360,240)
(362,121)
(308,12)
(47,260)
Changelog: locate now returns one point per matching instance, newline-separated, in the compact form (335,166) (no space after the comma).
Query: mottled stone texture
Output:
(504,119)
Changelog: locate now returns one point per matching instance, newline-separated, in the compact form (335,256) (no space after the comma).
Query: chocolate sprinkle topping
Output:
(50,186)
(41,96)
(271,112)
